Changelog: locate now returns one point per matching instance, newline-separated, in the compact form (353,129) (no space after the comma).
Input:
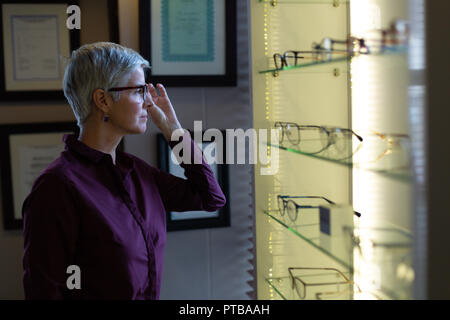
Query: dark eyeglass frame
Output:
(297,55)
(144,86)
(351,42)
(362,46)
(297,206)
(283,57)
(302,293)
(286,199)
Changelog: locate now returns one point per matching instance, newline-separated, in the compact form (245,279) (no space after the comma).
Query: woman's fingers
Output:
(161,100)
(162,90)
(156,113)
(152,91)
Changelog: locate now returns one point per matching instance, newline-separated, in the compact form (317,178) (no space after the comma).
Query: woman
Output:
(101,211)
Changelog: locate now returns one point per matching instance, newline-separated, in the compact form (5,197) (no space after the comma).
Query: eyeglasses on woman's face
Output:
(140,91)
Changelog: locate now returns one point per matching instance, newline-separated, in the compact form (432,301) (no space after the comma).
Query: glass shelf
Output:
(354,161)
(383,259)
(383,235)
(330,2)
(310,233)
(283,287)
(382,256)
(328,291)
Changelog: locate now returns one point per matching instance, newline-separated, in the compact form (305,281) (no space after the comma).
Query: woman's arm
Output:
(50,234)
(199,192)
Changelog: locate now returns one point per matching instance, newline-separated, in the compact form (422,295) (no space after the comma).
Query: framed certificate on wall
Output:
(27,150)
(189,43)
(195,219)
(35,44)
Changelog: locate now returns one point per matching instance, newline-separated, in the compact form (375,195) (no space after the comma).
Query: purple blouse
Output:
(109,220)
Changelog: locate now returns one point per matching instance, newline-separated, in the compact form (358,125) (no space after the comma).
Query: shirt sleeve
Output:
(200,191)
(50,233)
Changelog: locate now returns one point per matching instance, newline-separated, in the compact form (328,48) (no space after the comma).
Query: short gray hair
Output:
(97,65)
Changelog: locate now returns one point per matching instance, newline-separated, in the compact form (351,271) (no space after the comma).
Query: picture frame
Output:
(27,149)
(105,11)
(113,16)
(189,44)
(177,221)
(34,45)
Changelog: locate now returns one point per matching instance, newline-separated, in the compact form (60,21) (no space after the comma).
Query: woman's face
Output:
(129,113)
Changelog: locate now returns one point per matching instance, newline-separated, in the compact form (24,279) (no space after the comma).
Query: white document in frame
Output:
(35,43)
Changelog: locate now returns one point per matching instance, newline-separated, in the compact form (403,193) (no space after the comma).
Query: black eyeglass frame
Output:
(144,86)
(318,53)
(283,57)
(285,202)
(297,206)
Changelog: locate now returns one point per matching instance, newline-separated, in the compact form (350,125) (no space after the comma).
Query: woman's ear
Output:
(101,100)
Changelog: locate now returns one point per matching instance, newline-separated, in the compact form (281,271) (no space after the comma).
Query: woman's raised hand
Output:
(162,111)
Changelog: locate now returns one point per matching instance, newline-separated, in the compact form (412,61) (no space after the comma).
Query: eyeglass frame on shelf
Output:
(322,295)
(328,130)
(297,206)
(322,52)
(326,45)
(387,138)
(294,285)
(356,239)
(316,55)
(318,52)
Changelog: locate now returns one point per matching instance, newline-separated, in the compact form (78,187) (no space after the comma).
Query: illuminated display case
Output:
(333,210)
